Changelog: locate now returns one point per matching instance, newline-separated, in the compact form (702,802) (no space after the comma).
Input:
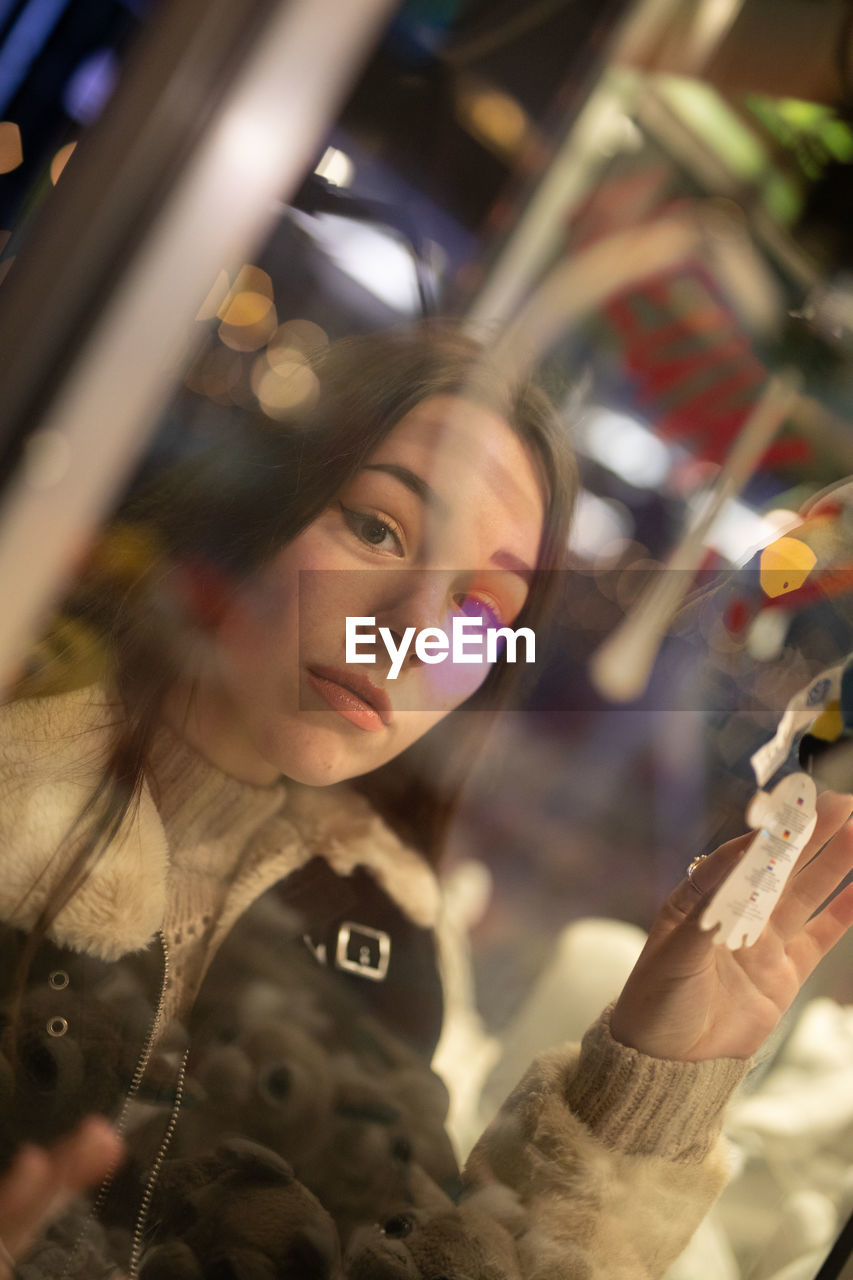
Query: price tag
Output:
(785,818)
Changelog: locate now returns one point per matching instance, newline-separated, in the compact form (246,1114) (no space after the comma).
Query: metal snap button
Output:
(57,1026)
(59,979)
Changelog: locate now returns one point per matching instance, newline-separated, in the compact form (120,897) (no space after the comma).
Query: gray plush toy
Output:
(238,1214)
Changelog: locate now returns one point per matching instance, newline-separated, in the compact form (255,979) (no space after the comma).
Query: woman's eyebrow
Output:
(428,495)
(413,482)
(506,560)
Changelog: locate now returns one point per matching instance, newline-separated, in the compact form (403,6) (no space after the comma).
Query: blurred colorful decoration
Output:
(831,732)
(685,336)
(811,131)
(800,576)
(694,371)
(785,565)
(621,668)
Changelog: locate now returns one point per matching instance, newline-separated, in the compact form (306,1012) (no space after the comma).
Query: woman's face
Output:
(445,516)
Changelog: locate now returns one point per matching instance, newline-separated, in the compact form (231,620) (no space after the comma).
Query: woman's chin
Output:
(323,756)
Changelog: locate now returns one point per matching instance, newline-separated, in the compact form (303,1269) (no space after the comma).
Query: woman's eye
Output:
(373,530)
(481,607)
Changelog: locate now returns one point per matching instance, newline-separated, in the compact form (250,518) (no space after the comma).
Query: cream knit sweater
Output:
(225,847)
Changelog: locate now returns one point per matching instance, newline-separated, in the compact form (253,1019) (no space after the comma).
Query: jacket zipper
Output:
(147,1195)
(121,1123)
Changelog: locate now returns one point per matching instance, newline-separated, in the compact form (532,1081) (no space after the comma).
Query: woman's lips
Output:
(353,696)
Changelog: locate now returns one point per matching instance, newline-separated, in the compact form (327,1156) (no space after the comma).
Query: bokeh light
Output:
(247,313)
(298,335)
(283,390)
(11,149)
(60,160)
(336,167)
(249,336)
(493,118)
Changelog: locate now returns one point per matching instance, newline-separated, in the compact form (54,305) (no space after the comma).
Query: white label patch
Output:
(785,818)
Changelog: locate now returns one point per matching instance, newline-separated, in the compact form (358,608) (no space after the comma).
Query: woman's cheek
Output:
(448,683)
(259,626)
(329,580)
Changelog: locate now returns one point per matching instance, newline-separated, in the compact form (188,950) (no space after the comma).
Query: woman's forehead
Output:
(461,448)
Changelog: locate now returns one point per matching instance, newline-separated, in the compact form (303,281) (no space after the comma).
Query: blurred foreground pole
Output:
(539,231)
(794,48)
(215,120)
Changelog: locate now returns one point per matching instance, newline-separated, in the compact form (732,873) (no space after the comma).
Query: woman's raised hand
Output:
(689,1000)
(41,1182)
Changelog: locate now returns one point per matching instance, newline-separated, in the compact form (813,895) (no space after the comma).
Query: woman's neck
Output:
(203,720)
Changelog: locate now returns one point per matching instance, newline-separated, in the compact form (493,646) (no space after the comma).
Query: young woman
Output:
(218,898)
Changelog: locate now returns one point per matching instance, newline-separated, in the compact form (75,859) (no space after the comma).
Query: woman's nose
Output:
(420,598)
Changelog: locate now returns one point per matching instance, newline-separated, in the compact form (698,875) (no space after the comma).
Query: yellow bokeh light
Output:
(247,311)
(785,565)
(283,390)
(494,118)
(249,337)
(249,279)
(60,160)
(246,308)
(11,150)
(280,357)
(300,335)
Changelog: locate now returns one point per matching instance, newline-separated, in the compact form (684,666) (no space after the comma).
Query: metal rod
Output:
(255,151)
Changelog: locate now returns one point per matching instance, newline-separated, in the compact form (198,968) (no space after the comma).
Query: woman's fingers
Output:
(834,808)
(691,895)
(822,933)
(812,881)
(86,1155)
(40,1183)
(819,870)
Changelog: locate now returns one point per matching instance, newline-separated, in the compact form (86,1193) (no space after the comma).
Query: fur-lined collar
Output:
(51,753)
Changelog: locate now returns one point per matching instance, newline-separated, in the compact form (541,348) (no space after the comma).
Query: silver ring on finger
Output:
(700,858)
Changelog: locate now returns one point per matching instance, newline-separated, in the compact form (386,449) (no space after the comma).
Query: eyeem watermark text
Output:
(469,641)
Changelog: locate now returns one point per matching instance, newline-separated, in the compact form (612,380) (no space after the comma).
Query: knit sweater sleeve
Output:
(615,1157)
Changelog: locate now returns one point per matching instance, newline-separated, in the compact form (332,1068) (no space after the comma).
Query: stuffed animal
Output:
(348,1106)
(435,1239)
(238,1214)
(332,1114)
(256,1071)
(362,1170)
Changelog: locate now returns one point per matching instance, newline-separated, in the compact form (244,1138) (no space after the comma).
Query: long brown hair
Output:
(228,509)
